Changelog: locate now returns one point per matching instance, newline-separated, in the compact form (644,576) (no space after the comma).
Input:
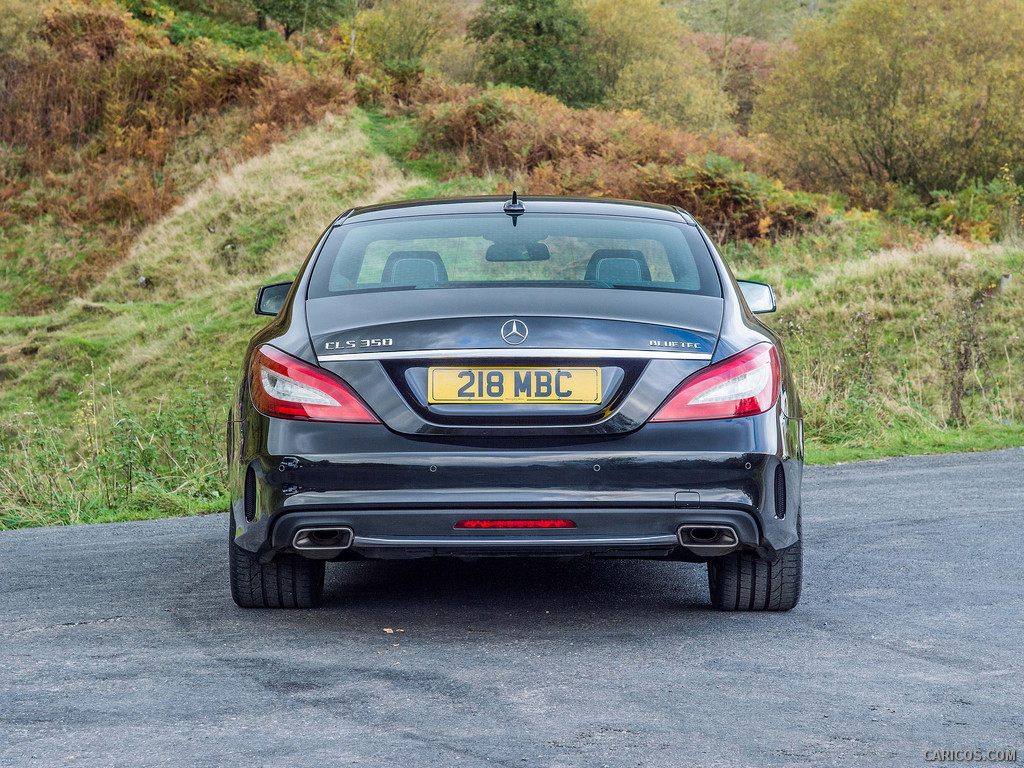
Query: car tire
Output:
(744,581)
(288,581)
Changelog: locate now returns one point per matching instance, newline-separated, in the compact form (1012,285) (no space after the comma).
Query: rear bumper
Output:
(388,534)
(402,497)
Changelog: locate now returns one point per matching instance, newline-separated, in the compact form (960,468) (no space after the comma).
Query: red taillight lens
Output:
(288,388)
(515,524)
(741,385)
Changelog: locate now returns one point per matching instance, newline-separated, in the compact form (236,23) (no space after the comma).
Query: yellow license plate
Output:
(514,385)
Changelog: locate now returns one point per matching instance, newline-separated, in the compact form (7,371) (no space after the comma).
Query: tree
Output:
(294,15)
(763,19)
(735,27)
(537,44)
(405,31)
(354,12)
(750,62)
(924,93)
(668,91)
(647,61)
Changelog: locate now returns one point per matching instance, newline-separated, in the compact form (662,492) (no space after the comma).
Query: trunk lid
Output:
(395,347)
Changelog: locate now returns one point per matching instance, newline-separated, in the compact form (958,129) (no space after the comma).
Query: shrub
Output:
(647,61)
(92,114)
(671,91)
(539,44)
(112,461)
(729,201)
(18,25)
(978,211)
(918,92)
(108,79)
(557,150)
(457,59)
(295,15)
(183,28)
(401,32)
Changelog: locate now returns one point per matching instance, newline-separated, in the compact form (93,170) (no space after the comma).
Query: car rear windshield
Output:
(495,250)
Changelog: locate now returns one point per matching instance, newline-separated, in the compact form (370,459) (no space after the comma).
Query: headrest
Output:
(414,268)
(618,265)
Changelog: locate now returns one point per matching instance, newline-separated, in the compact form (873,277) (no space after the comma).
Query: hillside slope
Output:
(112,407)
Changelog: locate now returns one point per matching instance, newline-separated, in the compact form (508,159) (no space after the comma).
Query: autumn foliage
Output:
(94,116)
(552,149)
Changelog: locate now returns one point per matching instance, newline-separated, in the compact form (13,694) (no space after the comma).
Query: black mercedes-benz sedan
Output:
(486,377)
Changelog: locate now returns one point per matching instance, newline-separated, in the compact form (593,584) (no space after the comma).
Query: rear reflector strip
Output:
(515,524)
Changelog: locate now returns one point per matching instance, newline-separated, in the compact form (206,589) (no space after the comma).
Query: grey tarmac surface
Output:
(120,646)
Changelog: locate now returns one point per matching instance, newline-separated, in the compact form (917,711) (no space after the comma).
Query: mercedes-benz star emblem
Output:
(514,332)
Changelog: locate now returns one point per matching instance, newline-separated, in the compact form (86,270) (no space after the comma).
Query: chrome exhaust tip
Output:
(322,541)
(708,539)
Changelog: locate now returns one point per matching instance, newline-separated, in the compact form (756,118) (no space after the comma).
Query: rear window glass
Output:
(484,250)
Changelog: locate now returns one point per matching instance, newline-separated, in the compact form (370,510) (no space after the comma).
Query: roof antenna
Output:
(514,208)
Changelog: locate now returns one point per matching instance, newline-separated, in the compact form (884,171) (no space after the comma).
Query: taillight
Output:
(741,385)
(515,524)
(288,388)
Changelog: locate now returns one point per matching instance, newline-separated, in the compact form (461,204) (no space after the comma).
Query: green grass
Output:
(119,413)
(184,27)
(399,139)
(877,337)
(904,441)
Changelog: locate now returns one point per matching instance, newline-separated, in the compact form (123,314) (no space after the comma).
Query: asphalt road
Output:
(120,646)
